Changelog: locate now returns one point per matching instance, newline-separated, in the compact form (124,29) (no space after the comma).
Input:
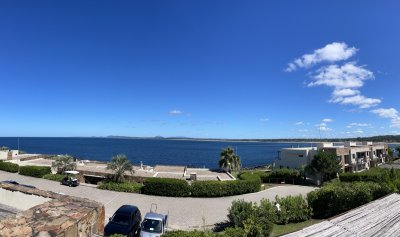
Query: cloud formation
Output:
(327,120)
(330,53)
(358,125)
(345,79)
(175,112)
(391,114)
(299,123)
(264,119)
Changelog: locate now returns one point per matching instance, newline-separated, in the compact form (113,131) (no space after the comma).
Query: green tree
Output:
(229,160)
(326,164)
(63,163)
(119,164)
(398,151)
(389,157)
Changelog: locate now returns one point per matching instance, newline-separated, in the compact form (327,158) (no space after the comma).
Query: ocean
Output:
(152,152)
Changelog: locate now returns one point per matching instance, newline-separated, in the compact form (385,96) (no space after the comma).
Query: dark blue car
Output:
(126,221)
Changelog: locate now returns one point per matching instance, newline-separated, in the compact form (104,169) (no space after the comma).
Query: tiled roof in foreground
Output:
(378,218)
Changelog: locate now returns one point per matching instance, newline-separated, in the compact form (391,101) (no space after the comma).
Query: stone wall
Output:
(62,216)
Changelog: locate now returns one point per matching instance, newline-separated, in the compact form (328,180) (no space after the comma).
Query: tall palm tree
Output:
(63,163)
(119,164)
(229,160)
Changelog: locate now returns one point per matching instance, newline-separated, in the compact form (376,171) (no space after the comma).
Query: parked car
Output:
(16,183)
(154,224)
(70,178)
(126,221)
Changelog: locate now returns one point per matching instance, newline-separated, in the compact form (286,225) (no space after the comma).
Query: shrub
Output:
(54,177)
(239,212)
(195,233)
(9,167)
(288,175)
(293,209)
(257,226)
(337,197)
(166,187)
(267,209)
(34,171)
(127,187)
(377,175)
(234,232)
(224,188)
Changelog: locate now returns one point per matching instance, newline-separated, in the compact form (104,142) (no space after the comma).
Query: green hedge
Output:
(224,188)
(127,187)
(378,175)
(337,197)
(195,233)
(9,167)
(34,171)
(166,187)
(288,175)
(54,177)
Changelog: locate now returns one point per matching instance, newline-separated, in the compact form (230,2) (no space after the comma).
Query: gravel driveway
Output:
(184,213)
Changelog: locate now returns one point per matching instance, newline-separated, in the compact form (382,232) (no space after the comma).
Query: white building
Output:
(353,156)
(8,154)
(295,157)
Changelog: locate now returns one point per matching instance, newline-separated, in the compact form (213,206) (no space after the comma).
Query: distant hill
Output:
(381,138)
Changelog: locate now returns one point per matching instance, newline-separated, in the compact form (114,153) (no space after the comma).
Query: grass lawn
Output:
(285,229)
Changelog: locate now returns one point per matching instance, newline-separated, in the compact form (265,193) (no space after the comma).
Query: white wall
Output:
(20,201)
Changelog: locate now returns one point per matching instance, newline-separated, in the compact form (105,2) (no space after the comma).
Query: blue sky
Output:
(218,69)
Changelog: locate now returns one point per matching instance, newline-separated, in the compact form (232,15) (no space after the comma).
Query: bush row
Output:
(277,175)
(374,175)
(337,197)
(34,171)
(181,188)
(9,167)
(54,177)
(289,175)
(166,187)
(226,188)
(121,187)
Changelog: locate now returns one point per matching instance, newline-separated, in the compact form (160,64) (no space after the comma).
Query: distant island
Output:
(381,138)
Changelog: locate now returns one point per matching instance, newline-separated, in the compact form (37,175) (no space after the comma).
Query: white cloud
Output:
(303,130)
(325,129)
(327,120)
(358,100)
(299,123)
(264,119)
(344,79)
(358,125)
(349,75)
(330,53)
(344,92)
(175,112)
(391,114)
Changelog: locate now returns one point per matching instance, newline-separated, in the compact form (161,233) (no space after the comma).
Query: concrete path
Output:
(184,213)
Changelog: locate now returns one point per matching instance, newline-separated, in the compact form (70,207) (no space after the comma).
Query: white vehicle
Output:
(154,224)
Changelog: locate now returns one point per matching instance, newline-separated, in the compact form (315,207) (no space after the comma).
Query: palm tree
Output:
(229,160)
(63,163)
(119,164)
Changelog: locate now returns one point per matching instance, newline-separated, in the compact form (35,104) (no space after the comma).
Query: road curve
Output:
(184,213)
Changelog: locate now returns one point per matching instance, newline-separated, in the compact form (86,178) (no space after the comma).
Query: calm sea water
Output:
(151,151)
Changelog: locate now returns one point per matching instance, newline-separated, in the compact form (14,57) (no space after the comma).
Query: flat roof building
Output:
(353,156)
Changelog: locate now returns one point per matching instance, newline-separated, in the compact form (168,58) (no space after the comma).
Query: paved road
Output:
(184,212)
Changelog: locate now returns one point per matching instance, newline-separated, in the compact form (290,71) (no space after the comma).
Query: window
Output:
(301,155)
(354,155)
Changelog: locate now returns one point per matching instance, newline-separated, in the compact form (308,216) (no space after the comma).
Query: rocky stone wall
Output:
(63,216)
